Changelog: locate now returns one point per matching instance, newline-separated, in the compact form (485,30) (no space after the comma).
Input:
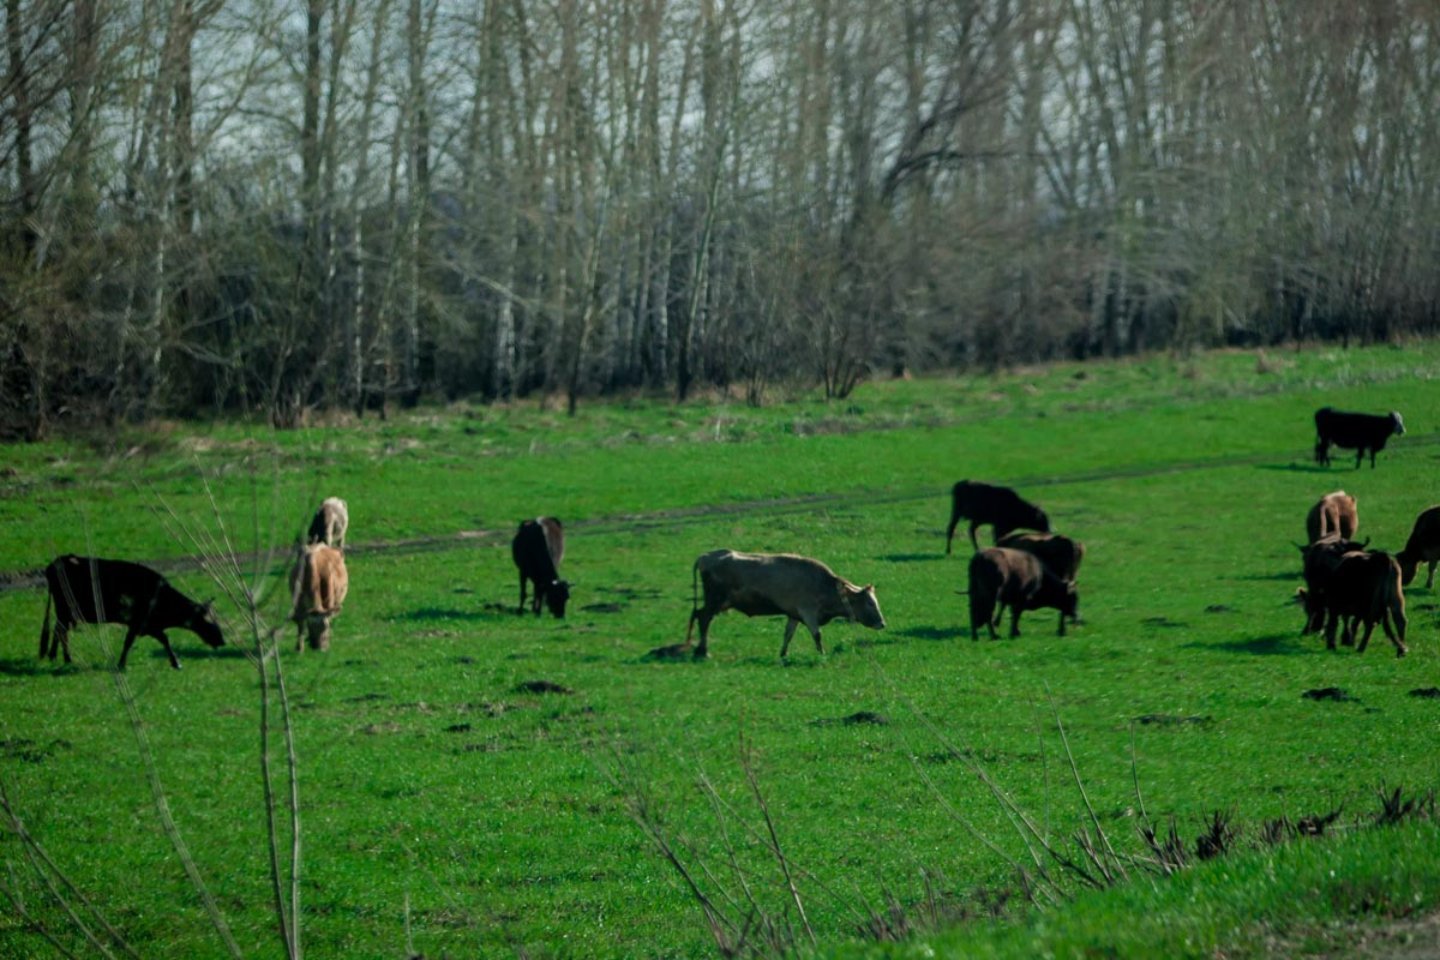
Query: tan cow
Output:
(1423,546)
(318,584)
(1059,554)
(1001,577)
(777,584)
(1365,588)
(1333,515)
(330,523)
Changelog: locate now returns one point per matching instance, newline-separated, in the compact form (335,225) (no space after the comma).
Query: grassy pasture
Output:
(430,778)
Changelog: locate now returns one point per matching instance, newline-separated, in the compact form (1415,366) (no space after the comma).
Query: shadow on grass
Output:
(490,611)
(1272,644)
(912,557)
(1288,575)
(29,667)
(1296,467)
(929,633)
(228,652)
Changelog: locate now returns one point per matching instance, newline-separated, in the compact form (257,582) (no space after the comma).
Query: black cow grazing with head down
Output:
(1321,560)
(1334,515)
(330,523)
(1363,589)
(777,584)
(538,549)
(1060,555)
(1000,507)
(92,590)
(1354,431)
(1001,577)
(1422,547)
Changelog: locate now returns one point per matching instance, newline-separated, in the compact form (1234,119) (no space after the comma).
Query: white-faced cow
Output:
(777,584)
(93,590)
(1001,577)
(1333,515)
(1001,507)
(1354,431)
(1060,555)
(330,523)
(1364,589)
(318,585)
(538,549)
(1422,547)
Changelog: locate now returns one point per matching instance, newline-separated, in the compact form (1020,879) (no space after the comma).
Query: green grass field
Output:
(446,809)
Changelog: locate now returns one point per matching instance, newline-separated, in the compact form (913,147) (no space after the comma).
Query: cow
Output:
(1321,559)
(1333,515)
(1364,588)
(1059,554)
(1001,577)
(318,585)
(330,523)
(1357,431)
(776,584)
(95,590)
(1000,507)
(538,548)
(1422,547)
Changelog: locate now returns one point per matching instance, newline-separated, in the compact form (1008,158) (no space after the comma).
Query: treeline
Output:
(274,205)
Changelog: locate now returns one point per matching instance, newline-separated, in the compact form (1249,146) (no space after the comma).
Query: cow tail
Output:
(45,625)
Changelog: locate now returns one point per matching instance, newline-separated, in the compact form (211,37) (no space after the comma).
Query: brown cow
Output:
(1365,588)
(783,584)
(1423,546)
(318,584)
(1001,577)
(330,523)
(1321,559)
(1333,515)
(1059,554)
(1001,507)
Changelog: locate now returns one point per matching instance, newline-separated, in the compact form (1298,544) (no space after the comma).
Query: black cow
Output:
(1001,507)
(538,548)
(1001,577)
(92,590)
(1355,431)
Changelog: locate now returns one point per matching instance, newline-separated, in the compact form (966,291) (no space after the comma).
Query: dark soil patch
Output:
(867,717)
(465,661)
(541,686)
(602,608)
(1162,622)
(458,728)
(1174,720)
(1219,608)
(1426,693)
(674,652)
(365,698)
(20,748)
(1329,693)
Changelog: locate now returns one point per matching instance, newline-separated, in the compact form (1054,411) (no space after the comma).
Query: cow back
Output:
(1059,554)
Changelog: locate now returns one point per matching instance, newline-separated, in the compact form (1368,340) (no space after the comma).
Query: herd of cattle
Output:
(1347,585)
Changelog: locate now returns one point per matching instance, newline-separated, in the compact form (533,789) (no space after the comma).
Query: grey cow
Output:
(777,584)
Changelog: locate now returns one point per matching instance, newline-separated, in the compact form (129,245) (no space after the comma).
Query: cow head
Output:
(864,608)
(1070,603)
(1041,522)
(1396,424)
(205,625)
(1408,566)
(556,595)
(1314,609)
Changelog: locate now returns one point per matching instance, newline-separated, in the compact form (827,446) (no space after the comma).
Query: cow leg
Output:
(1365,640)
(1015,619)
(60,640)
(813,625)
(125,650)
(520,610)
(1430,576)
(790,626)
(165,642)
(1062,623)
(974,544)
(705,615)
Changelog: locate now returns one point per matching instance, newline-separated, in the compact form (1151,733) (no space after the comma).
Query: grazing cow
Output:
(783,584)
(1423,546)
(1321,559)
(330,523)
(92,590)
(1001,577)
(1000,507)
(1060,555)
(537,549)
(1333,515)
(1365,588)
(318,584)
(1356,431)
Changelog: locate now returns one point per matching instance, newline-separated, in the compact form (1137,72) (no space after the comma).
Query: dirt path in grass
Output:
(811,503)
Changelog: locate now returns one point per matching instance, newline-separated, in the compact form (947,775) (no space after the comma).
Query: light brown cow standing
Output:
(330,523)
(318,584)
(777,584)
(1333,515)
(1422,547)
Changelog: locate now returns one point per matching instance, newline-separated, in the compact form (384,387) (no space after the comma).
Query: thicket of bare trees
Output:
(276,204)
